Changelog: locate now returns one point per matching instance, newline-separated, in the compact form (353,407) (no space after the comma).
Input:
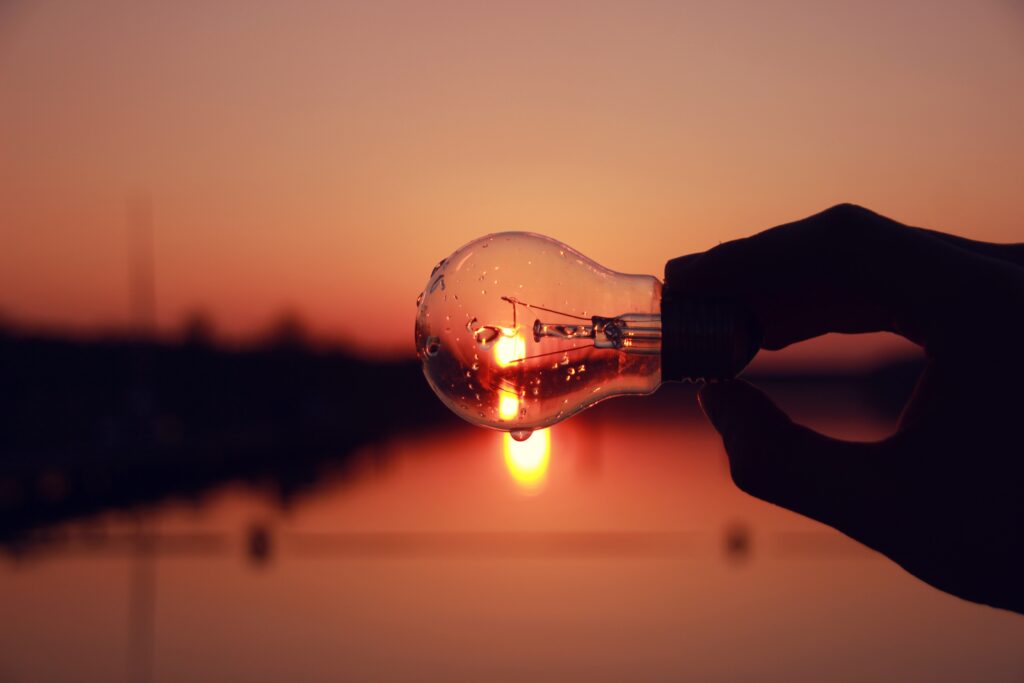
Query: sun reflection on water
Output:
(527,461)
(508,406)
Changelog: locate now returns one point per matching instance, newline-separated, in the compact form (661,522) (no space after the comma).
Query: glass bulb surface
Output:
(517,331)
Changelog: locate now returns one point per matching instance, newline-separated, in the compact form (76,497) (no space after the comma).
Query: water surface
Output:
(620,552)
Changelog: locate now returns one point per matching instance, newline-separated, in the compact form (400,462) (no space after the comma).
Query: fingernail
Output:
(683,261)
(677,267)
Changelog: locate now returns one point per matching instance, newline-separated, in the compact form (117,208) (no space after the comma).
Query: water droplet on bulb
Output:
(521,434)
(419,300)
(433,346)
(486,335)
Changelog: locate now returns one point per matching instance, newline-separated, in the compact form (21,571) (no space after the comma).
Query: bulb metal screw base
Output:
(705,340)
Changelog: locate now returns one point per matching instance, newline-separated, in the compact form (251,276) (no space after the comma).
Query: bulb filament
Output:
(630,332)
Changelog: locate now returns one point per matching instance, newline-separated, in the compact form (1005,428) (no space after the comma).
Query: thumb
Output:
(840,483)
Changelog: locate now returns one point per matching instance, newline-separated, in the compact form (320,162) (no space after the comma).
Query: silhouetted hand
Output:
(943,496)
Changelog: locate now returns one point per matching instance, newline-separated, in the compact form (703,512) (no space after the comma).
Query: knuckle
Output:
(846,210)
(846,226)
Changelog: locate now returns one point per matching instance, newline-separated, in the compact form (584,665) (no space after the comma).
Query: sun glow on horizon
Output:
(509,348)
(527,461)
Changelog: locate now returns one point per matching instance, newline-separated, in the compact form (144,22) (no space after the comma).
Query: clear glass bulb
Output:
(518,331)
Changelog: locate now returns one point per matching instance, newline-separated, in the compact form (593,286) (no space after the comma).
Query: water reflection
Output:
(634,559)
(527,461)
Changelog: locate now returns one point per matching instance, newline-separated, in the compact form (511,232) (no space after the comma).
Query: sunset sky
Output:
(321,157)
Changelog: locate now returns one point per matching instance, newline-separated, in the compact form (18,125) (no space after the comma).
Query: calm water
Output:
(620,553)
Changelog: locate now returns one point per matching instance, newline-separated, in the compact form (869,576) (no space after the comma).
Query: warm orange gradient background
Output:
(321,157)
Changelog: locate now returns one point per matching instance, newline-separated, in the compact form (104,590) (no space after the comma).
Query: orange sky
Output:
(321,157)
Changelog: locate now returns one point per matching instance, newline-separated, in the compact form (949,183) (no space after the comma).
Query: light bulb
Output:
(518,331)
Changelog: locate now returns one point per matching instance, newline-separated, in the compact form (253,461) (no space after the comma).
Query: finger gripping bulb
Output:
(705,339)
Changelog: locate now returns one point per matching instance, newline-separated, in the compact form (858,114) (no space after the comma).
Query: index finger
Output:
(846,270)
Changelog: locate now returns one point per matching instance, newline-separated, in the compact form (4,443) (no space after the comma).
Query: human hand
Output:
(944,495)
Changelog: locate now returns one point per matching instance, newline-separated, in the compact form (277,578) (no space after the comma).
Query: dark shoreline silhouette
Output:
(90,426)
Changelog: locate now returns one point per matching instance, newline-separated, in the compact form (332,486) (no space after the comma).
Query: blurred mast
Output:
(142,415)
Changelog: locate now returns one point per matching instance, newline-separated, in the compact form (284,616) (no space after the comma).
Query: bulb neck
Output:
(705,340)
(630,332)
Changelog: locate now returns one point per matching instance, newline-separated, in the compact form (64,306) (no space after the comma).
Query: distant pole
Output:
(142,604)
(142,290)
(141,261)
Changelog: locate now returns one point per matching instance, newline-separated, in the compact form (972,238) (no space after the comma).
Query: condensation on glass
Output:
(518,331)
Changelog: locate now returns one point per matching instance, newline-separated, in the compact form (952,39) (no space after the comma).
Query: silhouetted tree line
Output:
(93,425)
